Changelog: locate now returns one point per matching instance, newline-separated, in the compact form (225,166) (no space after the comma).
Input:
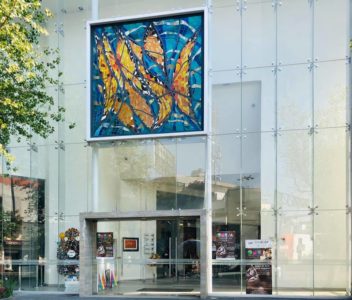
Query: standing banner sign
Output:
(258,269)
(106,271)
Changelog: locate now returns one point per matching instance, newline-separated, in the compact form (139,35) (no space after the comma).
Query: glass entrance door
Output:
(178,242)
(159,256)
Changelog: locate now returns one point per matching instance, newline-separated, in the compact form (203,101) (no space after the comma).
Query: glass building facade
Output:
(275,164)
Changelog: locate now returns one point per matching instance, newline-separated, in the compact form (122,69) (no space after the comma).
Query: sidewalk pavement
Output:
(53,296)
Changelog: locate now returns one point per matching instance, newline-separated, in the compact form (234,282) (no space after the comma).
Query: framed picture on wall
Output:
(130,244)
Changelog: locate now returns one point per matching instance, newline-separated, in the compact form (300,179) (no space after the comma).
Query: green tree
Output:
(25,72)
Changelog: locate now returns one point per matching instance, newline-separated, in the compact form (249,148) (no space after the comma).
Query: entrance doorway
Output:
(143,255)
(178,241)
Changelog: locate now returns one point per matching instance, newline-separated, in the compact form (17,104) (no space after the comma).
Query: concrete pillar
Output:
(205,254)
(88,283)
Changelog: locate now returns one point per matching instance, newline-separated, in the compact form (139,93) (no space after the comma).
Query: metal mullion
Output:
(276,149)
(241,146)
(208,176)
(349,164)
(312,6)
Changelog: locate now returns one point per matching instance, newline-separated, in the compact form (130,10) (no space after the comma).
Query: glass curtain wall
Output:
(281,141)
(49,185)
(280,148)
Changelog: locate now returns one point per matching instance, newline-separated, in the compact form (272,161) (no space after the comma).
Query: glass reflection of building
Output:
(279,168)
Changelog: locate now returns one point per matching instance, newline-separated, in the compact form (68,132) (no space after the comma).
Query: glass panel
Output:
(191,164)
(258,100)
(330,94)
(259,32)
(52,138)
(225,77)
(331,175)
(294,20)
(251,106)
(23,228)
(226,210)
(227,265)
(51,40)
(331,38)
(15,142)
(44,168)
(330,253)
(294,97)
(268,171)
(141,175)
(251,216)
(223,3)
(124,171)
(48,277)
(294,170)
(165,176)
(295,253)
(136,171)
(268,228)
(258,225)
(226,162)
(72,40)
(226,53)
(226,104)
(73,129)
(108,170)
(268,224)
(251,172)
(22,163)
(112,8)
(148,257)
(73,180)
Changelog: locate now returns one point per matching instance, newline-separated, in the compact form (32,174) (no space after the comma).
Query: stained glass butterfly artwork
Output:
(147,76)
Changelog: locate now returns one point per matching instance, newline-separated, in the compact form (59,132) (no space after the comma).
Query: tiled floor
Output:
(183,287)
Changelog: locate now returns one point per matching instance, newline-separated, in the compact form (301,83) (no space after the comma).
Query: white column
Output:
(95,178)
(206,283)
(95,150)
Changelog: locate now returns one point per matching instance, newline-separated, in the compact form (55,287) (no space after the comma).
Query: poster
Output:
(225,244)
(105,244)
(258,271)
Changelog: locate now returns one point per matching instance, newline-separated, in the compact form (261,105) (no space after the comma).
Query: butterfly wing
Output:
(157,89)
(133,82)
(110,85)
(180,83)
(153,47)
(112,79)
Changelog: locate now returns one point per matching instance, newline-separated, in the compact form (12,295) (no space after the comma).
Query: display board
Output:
(258,270)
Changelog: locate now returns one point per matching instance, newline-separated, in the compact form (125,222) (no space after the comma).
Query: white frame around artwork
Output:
(206,116)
